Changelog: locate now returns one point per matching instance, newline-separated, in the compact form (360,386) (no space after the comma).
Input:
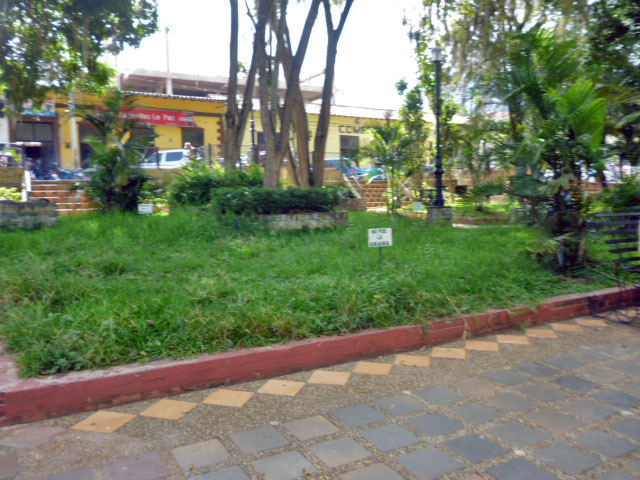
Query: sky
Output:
(373,54)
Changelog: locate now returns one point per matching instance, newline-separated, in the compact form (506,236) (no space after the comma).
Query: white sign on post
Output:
(380,237)
(145,208)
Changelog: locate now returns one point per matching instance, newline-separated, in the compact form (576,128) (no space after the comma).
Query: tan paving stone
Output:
(513,339)
(590,322)
(443,352)
(168,409)
(482,346)
(413,360)
(327,377)
(228,398)
(372,368)
(288,388)
(566,327)
(104,422)
(540,333)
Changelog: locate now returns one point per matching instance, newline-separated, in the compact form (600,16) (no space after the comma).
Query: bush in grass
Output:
(194,184)
(265,201)
(622,197)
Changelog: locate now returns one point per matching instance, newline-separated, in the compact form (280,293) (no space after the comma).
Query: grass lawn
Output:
(96,291)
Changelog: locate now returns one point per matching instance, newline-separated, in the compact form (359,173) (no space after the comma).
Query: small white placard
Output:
(380,237)
(145,208)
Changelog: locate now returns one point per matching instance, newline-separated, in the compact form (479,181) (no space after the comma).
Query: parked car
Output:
(369,174)
(166,159)
(347,166)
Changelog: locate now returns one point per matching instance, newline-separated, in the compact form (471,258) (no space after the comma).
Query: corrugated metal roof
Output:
(211,98)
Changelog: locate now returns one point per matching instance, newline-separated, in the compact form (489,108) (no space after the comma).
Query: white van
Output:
(166,159)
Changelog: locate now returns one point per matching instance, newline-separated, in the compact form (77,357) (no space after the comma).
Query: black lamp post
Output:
(439,201)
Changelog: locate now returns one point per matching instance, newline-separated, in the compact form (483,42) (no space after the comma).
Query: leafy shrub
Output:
(122,195)
(263,201)
(195,183)
(625,196)
(10,194)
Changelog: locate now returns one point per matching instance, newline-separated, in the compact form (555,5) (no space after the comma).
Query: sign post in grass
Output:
(380,237)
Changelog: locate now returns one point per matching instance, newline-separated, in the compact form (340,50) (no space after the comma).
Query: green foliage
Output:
(263,201)
(622,197)
(480,192)
(10,194)
(196,183)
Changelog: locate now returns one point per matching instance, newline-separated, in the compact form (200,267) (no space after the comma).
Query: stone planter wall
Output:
(298,221)
(27,214)
(354,204)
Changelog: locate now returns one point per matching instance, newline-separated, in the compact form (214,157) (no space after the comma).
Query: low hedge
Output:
(265,201)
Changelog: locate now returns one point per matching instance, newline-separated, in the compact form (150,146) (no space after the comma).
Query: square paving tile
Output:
(567,363)
(616,475)
(439,395)
(512,339)
(482,346)
(201,454)
(104,422)
(475,386)
(328,377)
(413,360)
(507,377)
(30,437)
(566,458)
(518,434)
(553,421)
(401,405)
(373,368)
(231,473)
(389,437)
(520,469)
(340,451)
(475,413)
(258,440)
(587,409)
(429,463)
(590,322)
(566,327)
(311,427)
(287,388)
(168,409)
(377,471)
(285,466)
(540,333)
(511,402)
(435,424)
(537,370)
(588,355)
(633,388)
(443,352)
(577,384)
(626,367)
(476,449)
(605,443)
(75,474)
(228,398)
(599,374)
(629,427)
(358,415)
(543,392)
(8,465)
(136,467)
(618,399)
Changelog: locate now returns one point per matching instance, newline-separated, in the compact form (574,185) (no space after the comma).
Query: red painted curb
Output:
(25,400)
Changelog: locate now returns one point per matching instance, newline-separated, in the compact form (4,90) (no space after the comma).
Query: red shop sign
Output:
(161,117)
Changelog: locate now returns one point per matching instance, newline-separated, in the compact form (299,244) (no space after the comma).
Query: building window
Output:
(349,145)
(195,136)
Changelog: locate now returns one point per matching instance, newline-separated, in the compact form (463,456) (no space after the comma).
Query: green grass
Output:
(96,291)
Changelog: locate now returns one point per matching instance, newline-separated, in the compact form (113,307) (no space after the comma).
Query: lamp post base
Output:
(439,215)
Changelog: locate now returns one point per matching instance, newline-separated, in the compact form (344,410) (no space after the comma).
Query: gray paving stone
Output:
(340,451)
(377,471)
(511,402)
(429,463)
(390,437)
(440,395)
(475,448)
(589,355)
(518,434)
(613,350)
(629,427)
(435,424)
(520,469)
(401,405)
(605,443)
(30,437)
(625,367)
(636,465)
(75,474)
(507,377)
(616,475)
(136,467)
(258,440)
(618,398)
(566,458)
(8,465)
(475,413)
(577,384)
(537,370)
(632,388)
(285,466)
(201,454)
(311,427)
(475,386)
(599,374)
(565,363)
(543,392)
(231,473)
(553,421)
(587,409)
(358,415)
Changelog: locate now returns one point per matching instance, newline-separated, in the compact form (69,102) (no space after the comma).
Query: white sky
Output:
(373,54)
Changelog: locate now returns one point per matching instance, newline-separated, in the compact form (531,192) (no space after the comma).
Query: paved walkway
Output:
(554,402)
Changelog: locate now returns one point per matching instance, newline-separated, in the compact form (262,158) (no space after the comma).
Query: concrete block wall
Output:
(27,214)
(298,221)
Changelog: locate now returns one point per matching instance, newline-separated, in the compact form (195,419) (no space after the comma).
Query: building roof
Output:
(210,98)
